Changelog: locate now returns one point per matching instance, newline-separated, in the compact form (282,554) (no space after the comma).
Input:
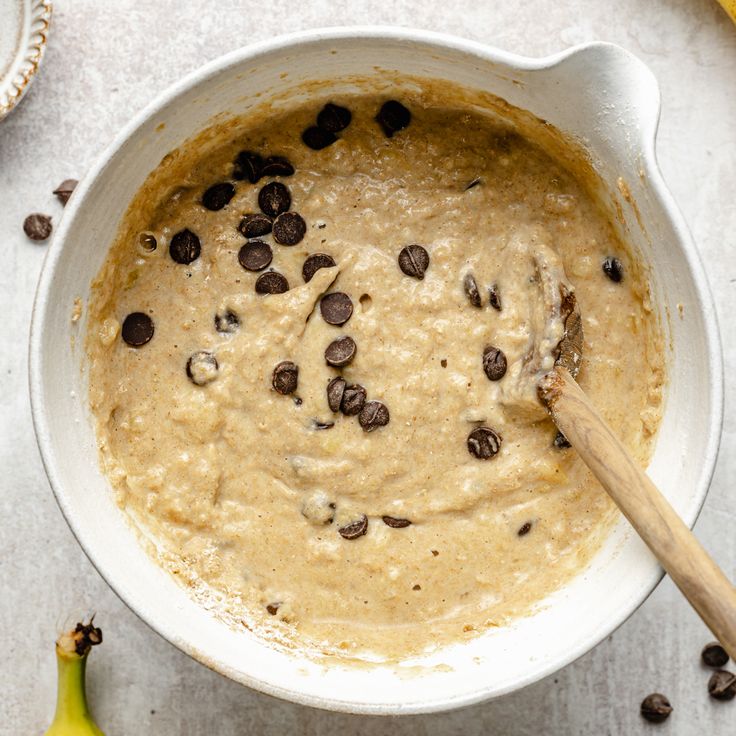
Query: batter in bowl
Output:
(311,359)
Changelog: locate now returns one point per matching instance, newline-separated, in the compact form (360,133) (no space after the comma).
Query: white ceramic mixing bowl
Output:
(599,95)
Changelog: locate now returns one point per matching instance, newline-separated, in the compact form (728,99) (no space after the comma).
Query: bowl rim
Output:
(704,304)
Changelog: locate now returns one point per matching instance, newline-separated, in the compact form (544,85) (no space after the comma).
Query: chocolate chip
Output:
(273,608)
(248,165)
(322,425)
(494,363)
(494,297)
(393,117)
(285,377)
(355,529)
(613,268)
(334,118)
(148,242)
(271,282)
(289,228)
(277,166)
(317,139)
(473,183)
(722,685)
(340,352)
(227,322)
(65,189)
(218,195)
(561,442)
(318,509)
(714,655)
(373,415)
(655,708)
(353,400)
(254,224)
(484,443)
(184,247)
(314,263)
(525,528)
(395,523)
(137,329)
(336,308)
(255,255)
(335,391)
(414,261)
(37,226)
(470,285)
(274,198)
(202,368)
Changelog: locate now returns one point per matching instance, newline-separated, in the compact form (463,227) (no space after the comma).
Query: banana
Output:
(730,7)
(72,716)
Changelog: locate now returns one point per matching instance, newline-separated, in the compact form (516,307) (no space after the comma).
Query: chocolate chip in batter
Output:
(271,282)
(336,308)
(470,285)
(353,400)
(414,261)
(255,224)
(340,352)
(473,183)
(395,523)
(355,529)
(255,255)
(202,368)
(317,424)
(334,118)
(314,263)
(227,322)
(484,443)
(494,363)
(218,195)
(714,655)
(373,415)
(318,509)
(285,377)
(289,228)
(316,138)
(65,189)
(248,165)
(335,391)
(273,608)
(137,329)
(655,708)
(393,117)
(613,268)
(274,198)
(37,226)
(561,442)
(494,297)
(722,685)
(277,166)
(184,247)
(524,529)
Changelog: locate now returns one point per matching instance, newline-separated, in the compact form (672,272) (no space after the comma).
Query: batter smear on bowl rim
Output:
(313,352)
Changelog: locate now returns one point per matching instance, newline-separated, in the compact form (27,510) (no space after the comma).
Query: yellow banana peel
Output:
(72,716)
(730,7)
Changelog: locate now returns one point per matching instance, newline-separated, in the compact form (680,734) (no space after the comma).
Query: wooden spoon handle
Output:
(701,581)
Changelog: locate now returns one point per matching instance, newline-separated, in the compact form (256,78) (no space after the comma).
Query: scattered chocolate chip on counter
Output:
(255,255)
(285,378)
(37,226)
(218,196)
(655,708)
(373,415)
(354,529)
(184,247)
(336,308)
(137,329)
(202,368)
(271,282)
(393,117)
(414,261)
(65,189)
(484,443)
(289,228)
(341,352)
(470,286)
(313,263)
(722,685)
(494,363)
(255,225)
(714,655)
(613,268)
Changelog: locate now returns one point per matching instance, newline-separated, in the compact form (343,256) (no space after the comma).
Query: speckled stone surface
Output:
(105,61)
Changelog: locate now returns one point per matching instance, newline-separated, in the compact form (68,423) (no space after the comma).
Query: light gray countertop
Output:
(104,62)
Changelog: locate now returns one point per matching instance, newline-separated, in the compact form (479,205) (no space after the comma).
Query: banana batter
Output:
(312,359)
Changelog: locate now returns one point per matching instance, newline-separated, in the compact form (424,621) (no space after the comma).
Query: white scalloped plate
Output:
(25,28)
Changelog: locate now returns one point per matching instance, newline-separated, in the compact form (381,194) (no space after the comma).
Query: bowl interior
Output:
(598,95)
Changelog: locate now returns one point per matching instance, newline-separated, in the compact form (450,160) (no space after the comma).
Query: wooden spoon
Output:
(700,580)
